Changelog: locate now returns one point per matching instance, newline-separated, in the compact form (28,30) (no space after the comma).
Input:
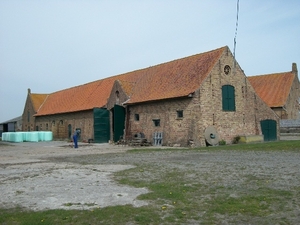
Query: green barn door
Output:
(269,130)
(101,125)
(119,122)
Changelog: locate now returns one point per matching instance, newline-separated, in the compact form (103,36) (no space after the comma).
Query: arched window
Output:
(117,97)
(28,116)
(228,98)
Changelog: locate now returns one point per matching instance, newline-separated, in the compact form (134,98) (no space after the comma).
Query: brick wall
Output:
(292,104)
(117,96)
(28,120)
(59,124)
(250,109)
(175,130)
(204,109)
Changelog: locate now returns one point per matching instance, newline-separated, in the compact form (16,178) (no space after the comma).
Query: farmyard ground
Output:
(52,175)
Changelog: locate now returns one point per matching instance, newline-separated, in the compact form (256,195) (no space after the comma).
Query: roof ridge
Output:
(43,102)
(171,79)
(191,56)
(192,72)
(145,68)
(270,74)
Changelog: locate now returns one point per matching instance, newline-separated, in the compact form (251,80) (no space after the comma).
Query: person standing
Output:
(75,139)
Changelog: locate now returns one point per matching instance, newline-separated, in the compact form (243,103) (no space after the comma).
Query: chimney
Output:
(29,91)
(294,69)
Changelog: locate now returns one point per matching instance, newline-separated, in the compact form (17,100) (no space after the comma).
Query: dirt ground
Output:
(51,175)
(29,179)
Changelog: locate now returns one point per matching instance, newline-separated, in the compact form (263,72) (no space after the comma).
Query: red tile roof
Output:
(168,80)
(273,89)
(83,97)
(37,100)
(173,79)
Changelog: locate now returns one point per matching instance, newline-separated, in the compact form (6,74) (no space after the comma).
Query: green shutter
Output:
(231,98)
(228,98)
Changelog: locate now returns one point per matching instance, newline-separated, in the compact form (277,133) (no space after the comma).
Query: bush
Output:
(236,140)
(222,142)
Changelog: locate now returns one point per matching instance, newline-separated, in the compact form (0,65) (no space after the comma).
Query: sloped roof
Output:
(37,100)
(273,89)
(173,79)
(19,118)
(83,97)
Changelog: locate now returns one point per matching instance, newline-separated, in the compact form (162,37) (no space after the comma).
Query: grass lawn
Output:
(179,196)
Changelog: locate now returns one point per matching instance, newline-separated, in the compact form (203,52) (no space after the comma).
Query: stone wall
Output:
(292,103)
(28,120)
(250,109)
(204,109)
(59,124)
(175,129)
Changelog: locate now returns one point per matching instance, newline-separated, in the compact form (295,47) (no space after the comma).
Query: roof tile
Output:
(177,78)
(168,80)
(37,100)
(273,89)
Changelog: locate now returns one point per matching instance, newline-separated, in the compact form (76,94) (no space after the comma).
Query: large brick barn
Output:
(281,92)
(202,99)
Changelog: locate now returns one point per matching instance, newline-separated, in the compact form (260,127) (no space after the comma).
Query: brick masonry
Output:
(62,125)
(291,108)
(201,109)
(204,109)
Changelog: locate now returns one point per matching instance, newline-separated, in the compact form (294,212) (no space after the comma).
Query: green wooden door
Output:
(101,125)
(119,122)
(269,130)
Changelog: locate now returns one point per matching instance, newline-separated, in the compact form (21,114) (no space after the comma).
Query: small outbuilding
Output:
(12,125)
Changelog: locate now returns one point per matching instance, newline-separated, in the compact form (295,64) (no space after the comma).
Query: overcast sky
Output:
(51,45)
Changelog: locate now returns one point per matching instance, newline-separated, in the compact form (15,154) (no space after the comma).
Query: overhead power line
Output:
(236,27)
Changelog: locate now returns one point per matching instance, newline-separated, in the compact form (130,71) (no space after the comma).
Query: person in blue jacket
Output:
(75,139)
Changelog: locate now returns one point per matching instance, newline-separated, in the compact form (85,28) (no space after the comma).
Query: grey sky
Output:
(51,45)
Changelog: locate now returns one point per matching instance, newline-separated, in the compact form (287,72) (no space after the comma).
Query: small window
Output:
(61,122)
(179,114)
(156,122)
(53,122)
(227,69)
(41,126)
(137,117)
(28,116)
(47,126)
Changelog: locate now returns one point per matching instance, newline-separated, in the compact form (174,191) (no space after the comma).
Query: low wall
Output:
(251,138)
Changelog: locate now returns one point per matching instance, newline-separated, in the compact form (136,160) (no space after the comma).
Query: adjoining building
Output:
(11,125)
(200,99)
(280,91)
